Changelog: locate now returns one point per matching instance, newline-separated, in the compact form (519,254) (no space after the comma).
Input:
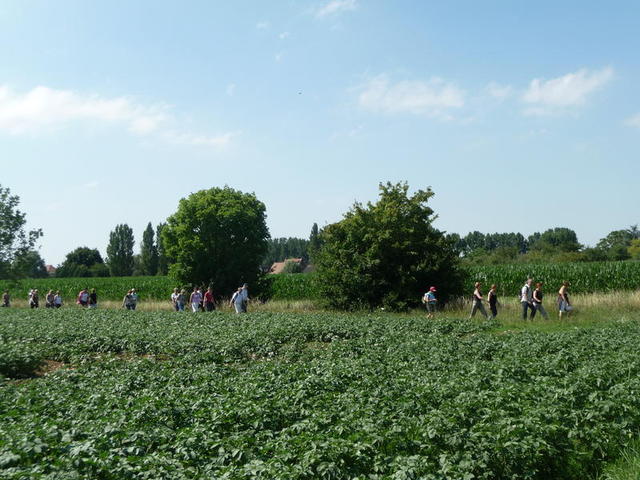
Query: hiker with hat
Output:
(430,301)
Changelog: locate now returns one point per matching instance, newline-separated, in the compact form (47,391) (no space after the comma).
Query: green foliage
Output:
(148,252)
(293,287)
(163,261)
(584,277)
(14,240)
(323,396)
(217,236)
(291,267)
(559,239)
(386,254)
(83,262)
(29,264)
(634,249)
(120,251)
(315,243)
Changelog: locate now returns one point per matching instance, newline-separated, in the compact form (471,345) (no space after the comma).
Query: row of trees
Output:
(120,261)
(554,245)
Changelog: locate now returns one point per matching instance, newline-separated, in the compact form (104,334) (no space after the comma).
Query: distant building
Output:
(278,267)
(51,270)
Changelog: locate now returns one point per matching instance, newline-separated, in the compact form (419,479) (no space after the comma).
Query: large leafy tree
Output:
(120,251)
(30,264)
(559,239)
(83,262)
(148,252)
(14,239)
(387,253)
(217,236)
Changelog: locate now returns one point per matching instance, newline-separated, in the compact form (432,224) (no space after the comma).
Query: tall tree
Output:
(163,261)
(148,252)
(83,262)
(387,253)
(14,239)
(120,251)
(314,241)
(217,236)
(30,264)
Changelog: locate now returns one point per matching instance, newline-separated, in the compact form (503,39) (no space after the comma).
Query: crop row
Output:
(584,278)
(314,396)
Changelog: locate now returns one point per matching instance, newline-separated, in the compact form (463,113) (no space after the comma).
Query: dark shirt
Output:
(539,294)
(493,299)
(93,299)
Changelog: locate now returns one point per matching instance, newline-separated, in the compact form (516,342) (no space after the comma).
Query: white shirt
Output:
(526,294)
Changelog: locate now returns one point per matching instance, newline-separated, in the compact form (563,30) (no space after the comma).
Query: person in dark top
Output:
(492,299)
(209,301)
(93,299)
(34,299)
(6,299)
(477,302)
(537,302)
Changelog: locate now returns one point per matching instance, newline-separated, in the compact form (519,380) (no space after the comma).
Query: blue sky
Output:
(521,116)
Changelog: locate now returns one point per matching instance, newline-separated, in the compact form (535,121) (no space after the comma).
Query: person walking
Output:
(174,298)
(134,299)
(34,300)
(93,299)
(477,302)
(181,300)
(57,299)
(237,300)
(6,299)
(526,299)
(83,297)
(538,295)
(48,299)
(127,301)
(195,299)
(564,305)
(430,301)
(492,300)
(209,301)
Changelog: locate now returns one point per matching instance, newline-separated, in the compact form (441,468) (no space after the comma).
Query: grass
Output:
(626,467)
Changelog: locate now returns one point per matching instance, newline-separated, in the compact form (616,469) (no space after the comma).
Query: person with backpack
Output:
(430,302)
(492,300)
(127,301)
(526,299)
(537,302)
(476,300)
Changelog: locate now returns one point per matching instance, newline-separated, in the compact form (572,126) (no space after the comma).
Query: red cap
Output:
(432,289)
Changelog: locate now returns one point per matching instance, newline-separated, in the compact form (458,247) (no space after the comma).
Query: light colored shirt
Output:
(526,294)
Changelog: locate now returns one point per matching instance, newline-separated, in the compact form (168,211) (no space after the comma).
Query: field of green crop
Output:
(309,396)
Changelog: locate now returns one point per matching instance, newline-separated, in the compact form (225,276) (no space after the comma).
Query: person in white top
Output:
(240,298)
(174,299)
(526,299)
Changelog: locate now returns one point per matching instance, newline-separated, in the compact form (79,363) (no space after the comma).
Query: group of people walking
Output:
(202,300)
(531,301)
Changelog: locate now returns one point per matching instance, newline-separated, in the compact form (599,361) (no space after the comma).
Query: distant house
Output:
(51,270)
(278,267)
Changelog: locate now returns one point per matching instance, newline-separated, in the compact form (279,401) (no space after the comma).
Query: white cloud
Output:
(221,140)
(498,91)
(231,89)
(278,56)
(44,107)
(633,121)
(562,93)
(284,35)
(433,97)
(262,25)
(336,6)
(91,185)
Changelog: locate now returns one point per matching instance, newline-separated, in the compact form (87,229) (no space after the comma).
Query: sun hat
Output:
(433,289)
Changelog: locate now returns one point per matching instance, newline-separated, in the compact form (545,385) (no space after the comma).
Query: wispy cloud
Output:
(633,121)
(284,35)
(498,91)
(334,7)
(263,25)
(560,94)
(278,56)
(231,89)
(221,140)
(44,108)
(91,185)
(433,97)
